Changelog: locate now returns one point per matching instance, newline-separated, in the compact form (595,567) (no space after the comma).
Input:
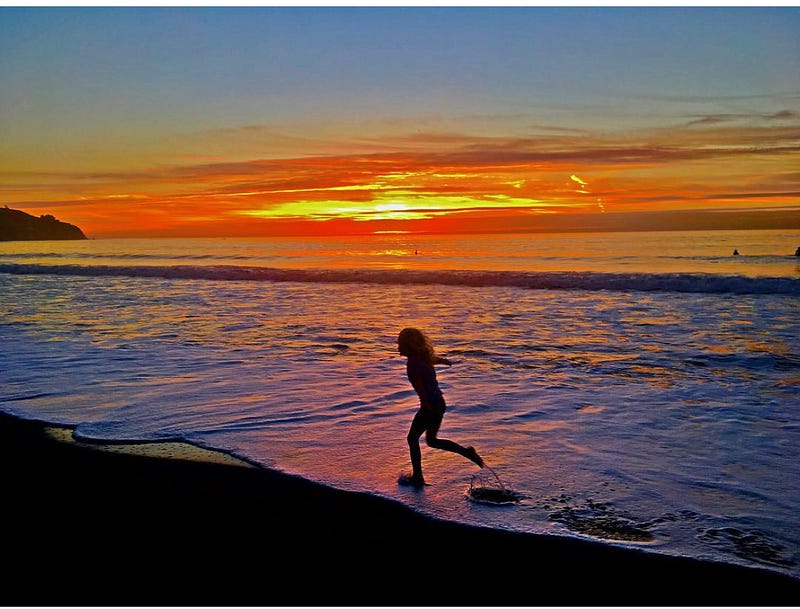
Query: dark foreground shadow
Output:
(81,527)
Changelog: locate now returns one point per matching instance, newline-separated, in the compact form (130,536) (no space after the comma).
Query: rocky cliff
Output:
(16,225)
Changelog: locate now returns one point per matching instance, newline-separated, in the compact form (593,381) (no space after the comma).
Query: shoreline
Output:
(174,524)
(183,451)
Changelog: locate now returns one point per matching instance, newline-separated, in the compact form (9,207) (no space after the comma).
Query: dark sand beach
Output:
(91,526)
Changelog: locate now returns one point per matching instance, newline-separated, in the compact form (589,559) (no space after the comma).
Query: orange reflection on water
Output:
(539,426)
(721,349)
(776,347)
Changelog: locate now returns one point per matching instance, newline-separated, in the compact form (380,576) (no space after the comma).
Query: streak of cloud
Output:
(428,174)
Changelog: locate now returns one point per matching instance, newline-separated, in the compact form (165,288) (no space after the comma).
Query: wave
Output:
(550,280)
(94,256)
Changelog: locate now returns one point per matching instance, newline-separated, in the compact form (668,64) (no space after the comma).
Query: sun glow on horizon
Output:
(412,206)
(443,181)
(469,183)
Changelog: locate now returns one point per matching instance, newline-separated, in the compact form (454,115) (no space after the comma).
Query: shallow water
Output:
(627,394)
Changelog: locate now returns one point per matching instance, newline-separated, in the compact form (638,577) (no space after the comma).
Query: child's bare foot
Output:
(473,456)
(411,480)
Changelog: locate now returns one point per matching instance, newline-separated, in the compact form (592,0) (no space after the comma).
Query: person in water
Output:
(422,357)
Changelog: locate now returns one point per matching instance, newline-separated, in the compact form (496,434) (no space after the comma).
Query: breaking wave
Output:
(551,280)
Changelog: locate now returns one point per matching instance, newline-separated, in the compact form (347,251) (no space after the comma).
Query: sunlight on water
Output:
(762,253)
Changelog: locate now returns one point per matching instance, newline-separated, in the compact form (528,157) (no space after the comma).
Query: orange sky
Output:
(430,182)
(230,122)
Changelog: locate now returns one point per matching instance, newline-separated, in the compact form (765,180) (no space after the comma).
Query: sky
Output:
(259,120)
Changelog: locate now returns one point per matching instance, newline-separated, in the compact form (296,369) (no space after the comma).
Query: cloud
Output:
(783,115)
(558,129)
(445,158)
(734,157)
(752,195)
(714,119)
(780,95)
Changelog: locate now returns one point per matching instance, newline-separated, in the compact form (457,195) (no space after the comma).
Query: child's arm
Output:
(442,360)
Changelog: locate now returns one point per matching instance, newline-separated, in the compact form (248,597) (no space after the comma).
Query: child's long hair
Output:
(414,342)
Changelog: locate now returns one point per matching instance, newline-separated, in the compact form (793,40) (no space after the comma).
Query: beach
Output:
(135,527)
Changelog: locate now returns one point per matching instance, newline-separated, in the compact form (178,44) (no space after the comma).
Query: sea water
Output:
(640,389)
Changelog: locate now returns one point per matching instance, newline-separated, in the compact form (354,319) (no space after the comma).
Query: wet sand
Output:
(171,524)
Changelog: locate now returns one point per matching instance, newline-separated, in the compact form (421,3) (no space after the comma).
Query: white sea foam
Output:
(565,280)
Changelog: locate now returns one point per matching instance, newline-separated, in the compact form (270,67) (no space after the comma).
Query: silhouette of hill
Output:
(16,225)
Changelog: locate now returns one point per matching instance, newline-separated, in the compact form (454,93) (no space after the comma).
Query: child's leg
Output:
(418,425)
(434,441)
(468,452)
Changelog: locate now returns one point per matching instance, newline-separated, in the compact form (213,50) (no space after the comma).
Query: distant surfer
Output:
(422,358)
(797,251)
(735,252)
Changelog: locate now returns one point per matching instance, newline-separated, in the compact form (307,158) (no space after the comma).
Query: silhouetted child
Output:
(422,358)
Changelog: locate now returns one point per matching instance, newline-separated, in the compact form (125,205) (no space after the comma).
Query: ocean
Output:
(635,389)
